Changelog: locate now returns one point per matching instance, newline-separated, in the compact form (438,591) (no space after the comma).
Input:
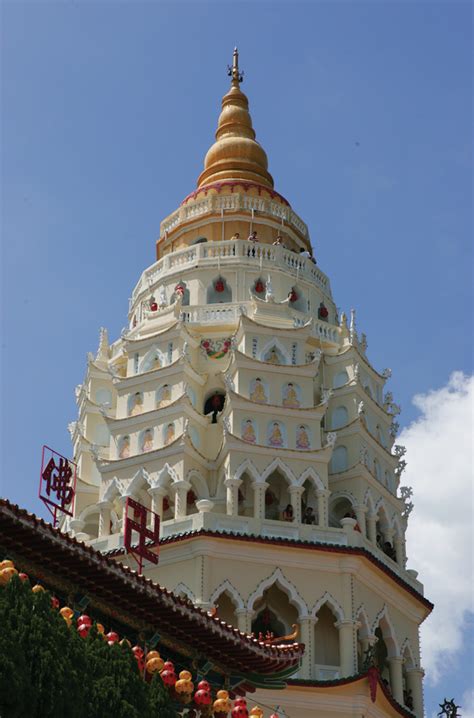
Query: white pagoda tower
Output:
(243,409)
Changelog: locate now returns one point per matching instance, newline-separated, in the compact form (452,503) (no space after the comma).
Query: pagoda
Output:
(240,405)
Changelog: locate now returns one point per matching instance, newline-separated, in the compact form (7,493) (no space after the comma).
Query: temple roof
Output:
(235,155)
(109,582)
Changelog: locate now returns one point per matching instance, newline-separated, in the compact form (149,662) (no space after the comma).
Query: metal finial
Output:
(234,72)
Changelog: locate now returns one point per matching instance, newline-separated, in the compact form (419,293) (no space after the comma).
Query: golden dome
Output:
(235,154)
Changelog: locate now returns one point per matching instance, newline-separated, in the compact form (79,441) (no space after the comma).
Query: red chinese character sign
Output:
(57,483)
(136,528)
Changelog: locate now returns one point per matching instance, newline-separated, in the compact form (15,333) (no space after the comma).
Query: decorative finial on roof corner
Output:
(234,72)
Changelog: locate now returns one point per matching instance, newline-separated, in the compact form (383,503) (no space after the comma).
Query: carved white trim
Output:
(332,603)
(114,489)
(284,468)
(165,476)
(227,587)
(249,467)
(278,578)
(278,345)
(383,617)
(311,473)
(361,613)
(200,483)
(182,588)
(139,481)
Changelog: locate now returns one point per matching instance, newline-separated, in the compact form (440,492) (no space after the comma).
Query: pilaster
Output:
(396,677)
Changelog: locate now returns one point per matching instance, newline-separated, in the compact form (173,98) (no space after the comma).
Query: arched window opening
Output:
(338,461)
(199,240)
(168,508)
(191,498)
(341,508)
(326,645)
(214,404)
(273,613)
(226,608)
(340,417)
(381,657)
(219,292)
(277,496)
(340,379)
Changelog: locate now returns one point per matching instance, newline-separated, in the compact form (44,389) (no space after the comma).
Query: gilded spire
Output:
(236,154)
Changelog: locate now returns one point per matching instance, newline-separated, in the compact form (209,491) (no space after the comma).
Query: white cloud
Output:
(440,531)
(467,704)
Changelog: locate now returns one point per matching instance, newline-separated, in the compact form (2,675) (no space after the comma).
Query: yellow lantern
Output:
(6,574)
(38,588)
(185,675)
(100,629)
(152,654)
(6,564)
(154,665)
(183,685)
(256,712)
(222,704)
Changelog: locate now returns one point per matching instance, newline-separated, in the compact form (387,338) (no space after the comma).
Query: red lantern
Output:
(112,638)
(322,312)
(83,630)
(54,602)
(153,306)
(219,285)
(203,697)
(259,286)
(293,296)
(168,677)
(23,577)
(138,652)
(203,686)
(84,620)
(179,289)
(240,711)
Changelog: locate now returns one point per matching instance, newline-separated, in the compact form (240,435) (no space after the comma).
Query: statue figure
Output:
(147,441)
(331,438)
(137,404)
(258,392)
(169,434)
(248,433)
(290,397)
(387,401)
(387,373)
(273,356)
(302,439)
(164,397)
(276,437)
(125,448)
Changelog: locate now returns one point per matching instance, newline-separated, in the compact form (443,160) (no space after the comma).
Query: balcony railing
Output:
(234,203)
(232,252)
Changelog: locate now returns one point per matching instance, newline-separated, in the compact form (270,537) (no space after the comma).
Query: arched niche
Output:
(326,644)
(249,431)
(297,299)
(276,435)
(277,496)
(163,396)
(273,612)
(226,608)
(123,447)
(219,291)
(340,379)
(303,437)
(338,461)
(146,440)
(340,508)
(181,290)
(258,390)
(340,417)
(291,395)
(153,359)
(214,403)
(103,396)
(135,403)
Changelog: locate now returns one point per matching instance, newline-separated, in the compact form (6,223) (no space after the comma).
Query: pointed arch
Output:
(408,655)
(181,588)
(165,476)
(382,513)
(384,622)
(278,578)
(197,479)
(88,511)
(328,599)
(275,343)
(139,481)
(363,620)
(114,489)
(227,587)
(311,474)
(369,501)
(248,467)
(396,525)
(278,464)
(153,355)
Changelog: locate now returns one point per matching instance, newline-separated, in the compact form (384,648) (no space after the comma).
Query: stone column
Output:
(372,528)
(244,618)
(415,684)
(104,518)
(360,512)
(157,494)
(232,494)
(259,488)
(323,511)
(346,647)
(76,526)
(296,493)
(396,677)
(307,637)
(181,489)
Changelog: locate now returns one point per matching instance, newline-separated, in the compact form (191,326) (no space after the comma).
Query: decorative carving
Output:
(395,426)
(448,709)
(400,468)
(77,390)
(409,506)
(361,409)
(226,425)
(216,348)
(162,301)
(269,290)
(387,373)
(388,399)
(317,355)
(364,455)
(229,383)
(363,343)
(185,351)
(326,394)
(103,351)
(331,439)
(357,372)
(71,427)
(406,492)
(352,328)
(400,450)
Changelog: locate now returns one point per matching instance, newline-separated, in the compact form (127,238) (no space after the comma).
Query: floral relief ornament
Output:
(216,348)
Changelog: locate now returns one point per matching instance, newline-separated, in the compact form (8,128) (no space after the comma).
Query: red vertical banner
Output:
(57,487)
(139,538)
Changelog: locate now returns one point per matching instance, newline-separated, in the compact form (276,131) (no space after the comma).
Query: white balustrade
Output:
(211,314)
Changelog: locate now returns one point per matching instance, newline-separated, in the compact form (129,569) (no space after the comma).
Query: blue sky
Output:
(364,109)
